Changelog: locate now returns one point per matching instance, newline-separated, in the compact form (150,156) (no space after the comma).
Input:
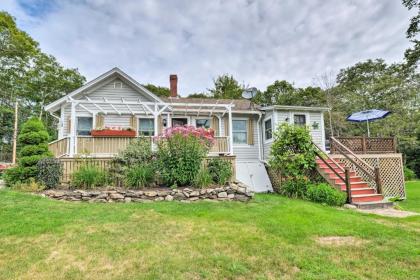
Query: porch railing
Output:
(113,145)
(365,145)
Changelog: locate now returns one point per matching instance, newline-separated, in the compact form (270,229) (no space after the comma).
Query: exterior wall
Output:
(282,116)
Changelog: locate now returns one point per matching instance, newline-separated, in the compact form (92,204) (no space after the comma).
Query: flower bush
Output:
(180,154)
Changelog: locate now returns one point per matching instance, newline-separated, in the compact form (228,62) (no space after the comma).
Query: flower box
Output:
(113,133)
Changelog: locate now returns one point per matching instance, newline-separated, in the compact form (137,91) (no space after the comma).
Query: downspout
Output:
(259,136)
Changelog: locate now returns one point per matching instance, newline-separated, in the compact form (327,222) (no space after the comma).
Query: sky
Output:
(257,42)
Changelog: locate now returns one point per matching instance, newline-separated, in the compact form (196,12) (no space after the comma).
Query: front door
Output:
(179,122)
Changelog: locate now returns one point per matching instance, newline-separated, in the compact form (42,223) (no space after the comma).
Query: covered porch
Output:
(139,119)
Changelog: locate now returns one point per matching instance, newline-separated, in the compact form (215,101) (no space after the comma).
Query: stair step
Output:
(329,171)
(357,185)
(367,198)
(362,191)
(374,205)
(352,180)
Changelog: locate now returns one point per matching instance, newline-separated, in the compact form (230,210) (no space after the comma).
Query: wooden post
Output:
(348,186)
(378,181)
(230,131)
(394,142)
(364,144)
(15,131)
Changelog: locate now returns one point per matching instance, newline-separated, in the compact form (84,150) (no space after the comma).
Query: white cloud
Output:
(256,41)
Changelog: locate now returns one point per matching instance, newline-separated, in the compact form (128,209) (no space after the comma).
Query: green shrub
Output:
(203,179)
(220,170)
(33,140)
(294,187)
(180,154)
(292,151)
(88,177)
(137,152)
(323,193)
(29,186)
(409,174)
(139,176)
(49,172)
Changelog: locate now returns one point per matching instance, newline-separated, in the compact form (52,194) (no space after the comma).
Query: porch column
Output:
(73,142)
(168,120)
(230,131)
(156,125)
(219,118)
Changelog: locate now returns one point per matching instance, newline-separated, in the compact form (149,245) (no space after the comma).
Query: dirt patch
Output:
(389,212)
(340,241)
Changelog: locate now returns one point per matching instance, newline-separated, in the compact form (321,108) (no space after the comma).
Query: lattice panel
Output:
(366,145)
(390,170)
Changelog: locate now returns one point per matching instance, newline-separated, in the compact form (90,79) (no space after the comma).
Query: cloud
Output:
(256,41)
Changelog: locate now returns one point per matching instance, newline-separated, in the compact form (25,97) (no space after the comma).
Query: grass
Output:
(412,203)
(269,238)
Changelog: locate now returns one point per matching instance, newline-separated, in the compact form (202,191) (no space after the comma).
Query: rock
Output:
(231,196)
(179,196)
(349,206)
(160,198)
(116,196)
(193,198)
(169,197)
(187,190)
(210,190)
(241,197)
(194,193)
(127,199)
(241,190)
(151,194)
(203,191)
(186,194)
(222,195)
(102,196)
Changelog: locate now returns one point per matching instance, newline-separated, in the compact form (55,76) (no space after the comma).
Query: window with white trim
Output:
(84,125)
(240,132)
(268,130)
(146,127)
(205,123)
(299,119)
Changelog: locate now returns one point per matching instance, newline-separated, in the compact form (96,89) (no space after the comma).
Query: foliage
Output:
(324,193)
(292,151)
(409,174)
(181,151)
(29,186)
(33,140)
(199,95)
(220,170)
(137,152)
(410,147)
(88,177)
(225,86)
(203,178)
(294,187)
(412,55)
(139,176)
(158,90)
(49,172)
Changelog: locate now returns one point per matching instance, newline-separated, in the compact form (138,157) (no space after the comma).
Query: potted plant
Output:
(113,132)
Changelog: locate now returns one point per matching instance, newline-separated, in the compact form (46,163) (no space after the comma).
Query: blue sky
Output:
(256,41)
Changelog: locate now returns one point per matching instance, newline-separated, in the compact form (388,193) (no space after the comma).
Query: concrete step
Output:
(374,205)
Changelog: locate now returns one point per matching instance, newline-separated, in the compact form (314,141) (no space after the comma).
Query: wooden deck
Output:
(109,146)
(366,145)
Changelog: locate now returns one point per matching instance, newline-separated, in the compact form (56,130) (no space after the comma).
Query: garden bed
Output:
(235,191)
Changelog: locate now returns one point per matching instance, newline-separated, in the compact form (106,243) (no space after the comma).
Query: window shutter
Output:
(133,122)
(250,132)
(215,125)
(100,121)
(227,126)
(68,125)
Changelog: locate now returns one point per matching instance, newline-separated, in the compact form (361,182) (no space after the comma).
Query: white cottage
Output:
(100,118)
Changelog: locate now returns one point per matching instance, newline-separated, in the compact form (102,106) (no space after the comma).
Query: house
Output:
(243,130)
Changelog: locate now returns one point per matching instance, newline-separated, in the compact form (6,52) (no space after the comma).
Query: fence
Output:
(366,145)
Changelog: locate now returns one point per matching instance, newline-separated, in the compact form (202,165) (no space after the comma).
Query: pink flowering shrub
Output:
(181,151)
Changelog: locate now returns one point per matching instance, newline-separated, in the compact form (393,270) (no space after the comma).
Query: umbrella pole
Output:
(367,122)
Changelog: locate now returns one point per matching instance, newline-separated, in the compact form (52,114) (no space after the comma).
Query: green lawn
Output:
(412,203)
(269,238)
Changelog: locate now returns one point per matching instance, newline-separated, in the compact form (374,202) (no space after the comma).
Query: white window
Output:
(205,123)
(146,127)
(268,130)
(240,133)
(84,125)
(299,120)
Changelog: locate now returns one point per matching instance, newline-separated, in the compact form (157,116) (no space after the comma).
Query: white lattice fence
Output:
(390,170)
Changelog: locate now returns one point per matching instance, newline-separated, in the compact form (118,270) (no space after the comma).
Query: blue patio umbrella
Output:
(368,115)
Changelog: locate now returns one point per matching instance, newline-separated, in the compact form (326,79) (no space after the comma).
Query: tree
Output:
(199,95)
(158,90)
(33,140)
(412,55)
(226,87)
(326,82)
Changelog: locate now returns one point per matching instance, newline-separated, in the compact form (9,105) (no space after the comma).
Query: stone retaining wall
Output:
(235,191)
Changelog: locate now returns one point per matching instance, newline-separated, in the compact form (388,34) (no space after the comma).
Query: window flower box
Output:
(113,133)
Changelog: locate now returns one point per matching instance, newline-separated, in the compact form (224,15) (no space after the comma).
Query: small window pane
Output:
(239,130)
(202,123)
(146,127)
(84,125)
(239,137)
(239,125)
(268,129)
(300,120)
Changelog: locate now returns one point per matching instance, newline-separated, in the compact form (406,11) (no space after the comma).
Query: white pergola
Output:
(122,106)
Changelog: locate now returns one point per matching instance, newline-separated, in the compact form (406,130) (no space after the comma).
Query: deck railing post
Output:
(348,186)
(378,181)
(364,144)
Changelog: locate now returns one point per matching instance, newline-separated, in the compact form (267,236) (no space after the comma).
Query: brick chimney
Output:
(173,85)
